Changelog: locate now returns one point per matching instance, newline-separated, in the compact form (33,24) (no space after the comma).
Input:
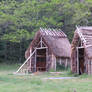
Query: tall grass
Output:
(5,67)
(38,83)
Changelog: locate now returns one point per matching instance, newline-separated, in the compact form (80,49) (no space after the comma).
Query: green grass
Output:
(37,83)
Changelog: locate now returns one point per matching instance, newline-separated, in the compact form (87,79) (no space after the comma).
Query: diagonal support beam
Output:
(25,62)
(81,36)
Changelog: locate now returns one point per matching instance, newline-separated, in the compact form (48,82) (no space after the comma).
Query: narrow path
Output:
(60,78)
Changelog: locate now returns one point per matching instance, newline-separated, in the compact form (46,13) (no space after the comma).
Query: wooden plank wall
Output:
(53,62)
(90,67)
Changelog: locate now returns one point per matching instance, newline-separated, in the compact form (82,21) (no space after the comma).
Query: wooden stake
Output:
(35,59)
(25,62)
(41,41)
(77,61)
(46,59)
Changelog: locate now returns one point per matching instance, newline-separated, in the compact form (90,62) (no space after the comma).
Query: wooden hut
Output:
(48,47)
(82,51)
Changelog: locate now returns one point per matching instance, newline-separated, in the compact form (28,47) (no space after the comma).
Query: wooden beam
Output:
(80,34)
(46,59)
(38,44)
(91,66)
(44,44)
(30,59)
(35,60)
(41,41)
(77,61)
(25,62)
(55,63)
(42,48)
(88,46)
(80,47)
(66,64)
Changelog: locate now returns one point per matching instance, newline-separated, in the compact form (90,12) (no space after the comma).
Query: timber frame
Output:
(81,51)
(22,69)
(48,47)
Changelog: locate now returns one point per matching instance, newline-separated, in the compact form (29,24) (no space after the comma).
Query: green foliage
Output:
(17,36)
(32,14)
(20,19)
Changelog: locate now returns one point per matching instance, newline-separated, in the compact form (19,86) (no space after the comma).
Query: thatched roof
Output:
(87,35)
(55,39)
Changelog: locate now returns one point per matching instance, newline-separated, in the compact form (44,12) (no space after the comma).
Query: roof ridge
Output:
(80,34)
(52,32)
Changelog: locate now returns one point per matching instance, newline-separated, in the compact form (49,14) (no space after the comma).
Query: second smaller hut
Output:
(82,51)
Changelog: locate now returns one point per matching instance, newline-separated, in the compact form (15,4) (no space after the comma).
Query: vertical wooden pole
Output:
(66,63)
(88,67)
(46,59)
(91,66)
(41,41)
(30,60)
(55,63)
(59,60)
(35,59)
(77,61)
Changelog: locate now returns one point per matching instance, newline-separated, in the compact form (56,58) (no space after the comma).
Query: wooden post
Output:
(54,60)
(41,41)
(30,59)
(46,59)
(88,67)
(77,61)
(91,66)
(66,64)
(55,64)
(35,59)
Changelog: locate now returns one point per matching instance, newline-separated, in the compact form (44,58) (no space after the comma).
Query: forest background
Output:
(20,19)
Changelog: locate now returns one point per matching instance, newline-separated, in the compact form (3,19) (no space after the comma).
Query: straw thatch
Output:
(86,33)
(55,39)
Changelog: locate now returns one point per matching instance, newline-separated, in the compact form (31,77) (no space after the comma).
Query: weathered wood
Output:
(25,62)
(88,46)
(55,63)
(66,64)
(42,48)
(30,59)
(35,59)
(81,36)
(91,66)
(41,41)
(77,60)
(41,56)
(47,59)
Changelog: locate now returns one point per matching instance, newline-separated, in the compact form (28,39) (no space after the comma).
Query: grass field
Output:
(37,83)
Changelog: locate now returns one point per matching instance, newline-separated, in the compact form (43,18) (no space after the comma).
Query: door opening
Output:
(41,60)
(80,60)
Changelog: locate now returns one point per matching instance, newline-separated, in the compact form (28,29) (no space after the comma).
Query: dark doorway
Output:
(41,60)
(81,60)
